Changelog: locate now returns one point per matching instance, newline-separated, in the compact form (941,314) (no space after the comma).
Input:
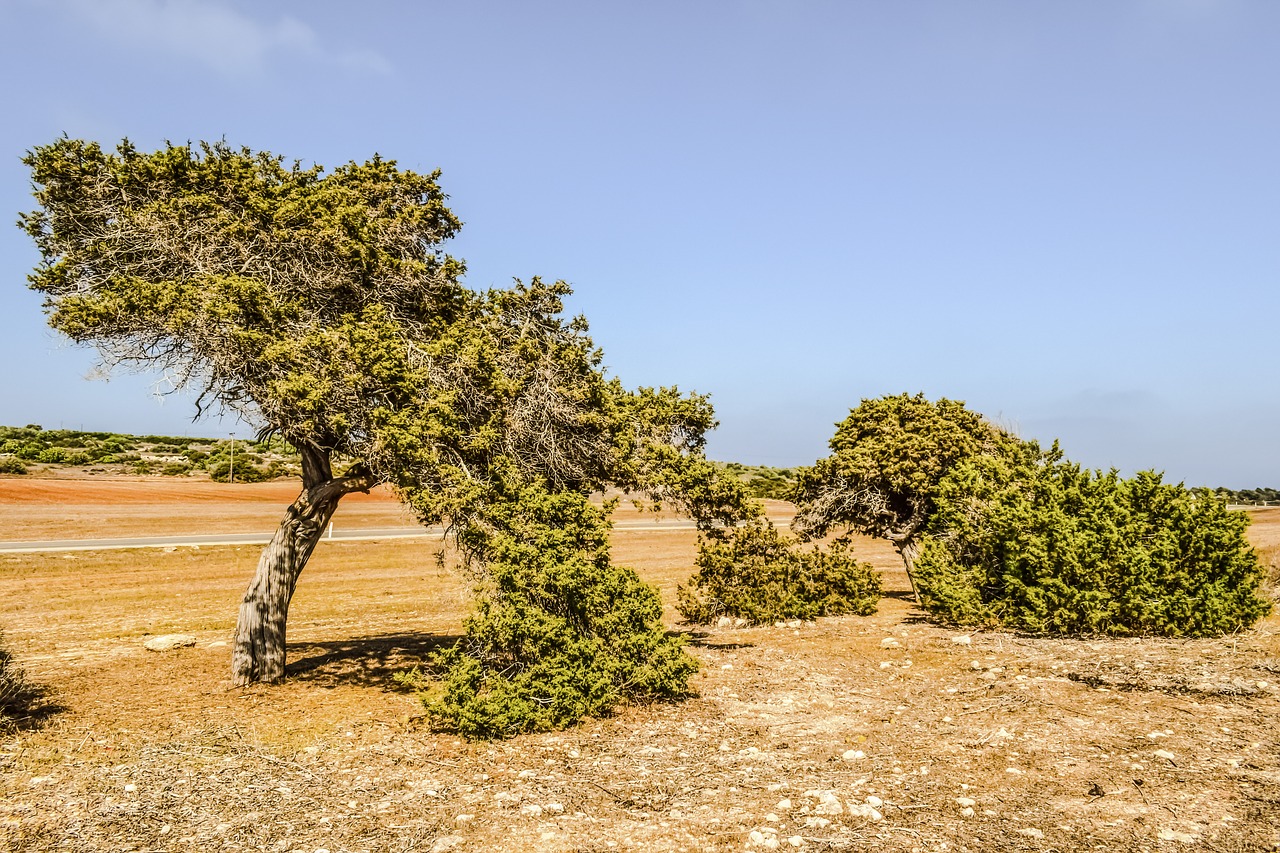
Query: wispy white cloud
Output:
(216,35)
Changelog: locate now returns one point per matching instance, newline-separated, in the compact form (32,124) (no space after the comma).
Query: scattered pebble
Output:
(446,842)
(966,802)
(853,755)
(168,642)
(889,643)
(865,811)
(961,640)
(1031,832)
(1174,835)
(1165,754)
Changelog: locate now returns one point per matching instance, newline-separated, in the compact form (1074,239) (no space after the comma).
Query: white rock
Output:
(1031,832)
(865,811)
(1174,835)
(874,801)
(771,818)
(446,842)
(130,788)
(828,803)
(966,812)
(966,802)
(526,774)
(531,810)
(975,664)
(783,805)
(724,622)
(889,643)
(464,818)
(557,808)
(1164,753)
(756,837)
(218,644)
(816,822)
(165,642)
(853,755)
(962,640)
(795,841)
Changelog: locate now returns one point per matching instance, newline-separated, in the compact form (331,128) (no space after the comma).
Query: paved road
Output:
(351,535)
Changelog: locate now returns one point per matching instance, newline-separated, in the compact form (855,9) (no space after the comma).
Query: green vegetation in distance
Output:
(172,456)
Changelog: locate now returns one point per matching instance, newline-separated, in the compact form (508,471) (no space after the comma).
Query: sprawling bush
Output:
(12,465)
(559,633)
(1038,544)
(753,573)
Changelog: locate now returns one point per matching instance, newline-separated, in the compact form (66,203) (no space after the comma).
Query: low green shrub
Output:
(1046,547)
(559,632)
(752,573)
(12,465)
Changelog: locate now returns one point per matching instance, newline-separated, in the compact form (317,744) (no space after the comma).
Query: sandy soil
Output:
(882,732)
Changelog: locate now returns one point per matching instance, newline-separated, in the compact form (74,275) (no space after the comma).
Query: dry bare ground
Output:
(883,732)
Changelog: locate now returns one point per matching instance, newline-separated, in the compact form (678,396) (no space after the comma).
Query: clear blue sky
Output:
(1065,213)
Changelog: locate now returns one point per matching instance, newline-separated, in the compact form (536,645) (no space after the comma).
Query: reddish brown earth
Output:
(1053,745)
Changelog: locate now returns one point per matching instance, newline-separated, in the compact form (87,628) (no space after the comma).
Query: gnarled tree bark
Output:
(259,653)
(908,548)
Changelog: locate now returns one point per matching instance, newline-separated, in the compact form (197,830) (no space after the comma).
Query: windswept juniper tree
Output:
(320,307)
(281,294)
(887,460)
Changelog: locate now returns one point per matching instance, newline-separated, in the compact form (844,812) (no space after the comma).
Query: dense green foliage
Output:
(559,632)
(1041,545)
(887,459)
(753,573)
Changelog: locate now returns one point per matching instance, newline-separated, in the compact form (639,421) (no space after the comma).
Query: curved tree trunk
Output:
(259,653)
(908,548)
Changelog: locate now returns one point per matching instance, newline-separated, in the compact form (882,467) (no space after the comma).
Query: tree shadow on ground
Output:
(29,710)
(704,640)
(371,661)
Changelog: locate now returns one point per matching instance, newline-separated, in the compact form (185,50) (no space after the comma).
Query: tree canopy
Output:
(887,460)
